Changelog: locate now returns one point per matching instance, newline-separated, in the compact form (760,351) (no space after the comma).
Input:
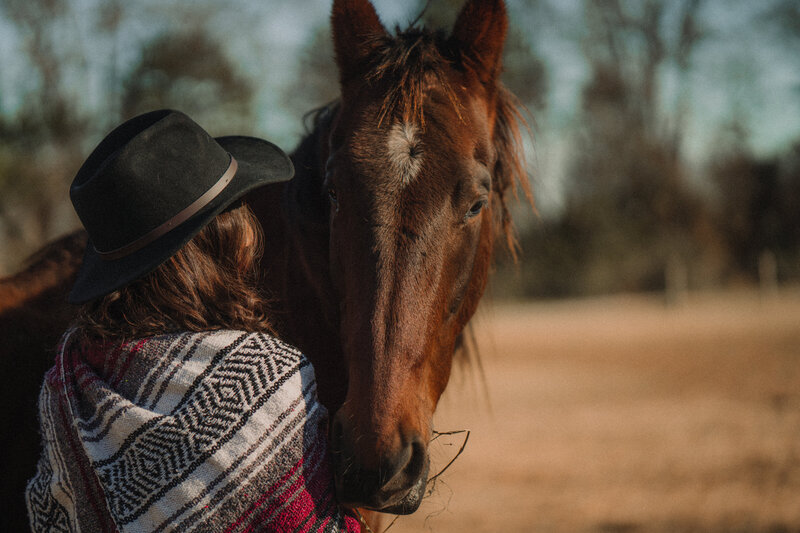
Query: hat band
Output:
(184,215)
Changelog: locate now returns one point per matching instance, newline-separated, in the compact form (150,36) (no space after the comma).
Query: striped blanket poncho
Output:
(217,431)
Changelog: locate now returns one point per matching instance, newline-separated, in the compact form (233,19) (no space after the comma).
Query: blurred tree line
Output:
(634,216)
(633,219)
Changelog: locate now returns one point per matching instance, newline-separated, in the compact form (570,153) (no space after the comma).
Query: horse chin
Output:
(394,503)
(410,501)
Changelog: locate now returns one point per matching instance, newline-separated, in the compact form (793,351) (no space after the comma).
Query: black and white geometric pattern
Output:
(162,453)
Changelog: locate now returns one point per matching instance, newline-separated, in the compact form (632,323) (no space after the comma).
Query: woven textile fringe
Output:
(217,432)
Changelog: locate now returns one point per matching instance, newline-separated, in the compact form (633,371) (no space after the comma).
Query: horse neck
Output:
(295,271)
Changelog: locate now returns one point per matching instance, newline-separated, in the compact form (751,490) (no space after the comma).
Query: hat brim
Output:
(259,163)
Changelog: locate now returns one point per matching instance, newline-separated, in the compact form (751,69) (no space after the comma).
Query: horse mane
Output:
(510,170)
(409,62)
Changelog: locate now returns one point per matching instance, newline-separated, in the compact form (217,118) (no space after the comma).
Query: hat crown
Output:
(142,174)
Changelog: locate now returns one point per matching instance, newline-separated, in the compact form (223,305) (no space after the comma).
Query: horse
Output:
(379,249)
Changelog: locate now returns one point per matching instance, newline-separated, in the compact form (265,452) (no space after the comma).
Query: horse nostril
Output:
(418,461)
(409,466)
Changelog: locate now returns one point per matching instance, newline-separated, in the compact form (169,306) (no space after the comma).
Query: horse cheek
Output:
(480,271)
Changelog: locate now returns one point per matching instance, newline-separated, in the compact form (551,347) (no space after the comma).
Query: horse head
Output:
(422,152)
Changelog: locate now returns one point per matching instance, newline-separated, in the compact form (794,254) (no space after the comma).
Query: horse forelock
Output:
(408,64)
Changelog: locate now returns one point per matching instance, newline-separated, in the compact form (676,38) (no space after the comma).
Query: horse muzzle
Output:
(396,486)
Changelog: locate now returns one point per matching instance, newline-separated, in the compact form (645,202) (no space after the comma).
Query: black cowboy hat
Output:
(151,185)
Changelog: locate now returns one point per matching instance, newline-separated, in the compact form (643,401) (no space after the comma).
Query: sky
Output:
(742,73)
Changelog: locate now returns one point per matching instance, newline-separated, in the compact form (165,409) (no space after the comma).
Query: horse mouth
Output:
(387,499)
(409,502)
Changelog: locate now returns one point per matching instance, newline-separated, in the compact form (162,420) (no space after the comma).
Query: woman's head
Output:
(151,185)
(210,283)
(170,247)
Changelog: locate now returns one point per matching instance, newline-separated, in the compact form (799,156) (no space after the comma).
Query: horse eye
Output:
(475,209)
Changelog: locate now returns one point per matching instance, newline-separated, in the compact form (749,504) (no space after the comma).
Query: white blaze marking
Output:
(405,151)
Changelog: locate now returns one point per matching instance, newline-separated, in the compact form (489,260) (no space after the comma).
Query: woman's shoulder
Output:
(248,341)
(222,340)
(225,341)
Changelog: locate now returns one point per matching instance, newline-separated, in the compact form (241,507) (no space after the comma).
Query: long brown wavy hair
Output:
(209,284)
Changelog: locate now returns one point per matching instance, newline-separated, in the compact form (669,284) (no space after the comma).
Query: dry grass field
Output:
(621,415)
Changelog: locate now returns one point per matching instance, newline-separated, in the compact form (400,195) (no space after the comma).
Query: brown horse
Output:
(379,249)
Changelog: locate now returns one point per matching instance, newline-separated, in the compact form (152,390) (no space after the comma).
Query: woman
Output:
(170,406)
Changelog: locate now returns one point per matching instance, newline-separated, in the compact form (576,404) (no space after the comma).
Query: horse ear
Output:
(355,26)
(479,35)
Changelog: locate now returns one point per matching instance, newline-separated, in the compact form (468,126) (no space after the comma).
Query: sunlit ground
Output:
(622,415)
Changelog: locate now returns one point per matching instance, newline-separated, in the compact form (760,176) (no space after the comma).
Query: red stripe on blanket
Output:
(291,515)
(303,502)
(258,503)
